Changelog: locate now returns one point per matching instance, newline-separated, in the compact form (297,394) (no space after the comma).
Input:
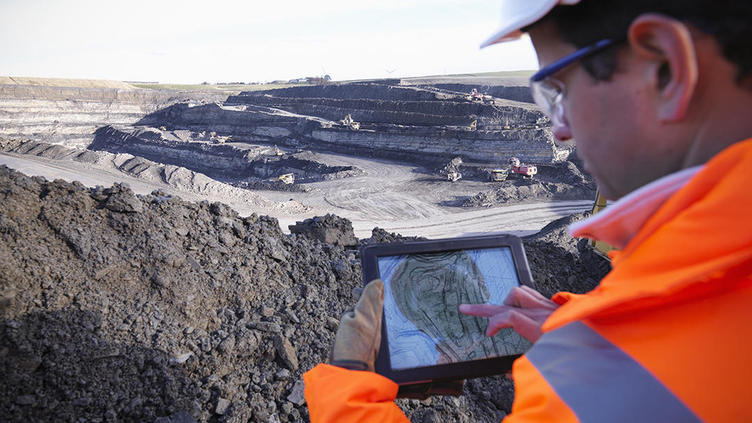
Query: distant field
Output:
(61,82)
(230,89)
(507,78)
(501,74)
(486,78)
(225,89)
(95,83)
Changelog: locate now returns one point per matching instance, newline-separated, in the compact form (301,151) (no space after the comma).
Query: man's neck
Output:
(723,112)
(718,132)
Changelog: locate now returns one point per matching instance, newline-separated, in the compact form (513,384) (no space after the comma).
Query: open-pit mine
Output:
(367,151)
(180,256)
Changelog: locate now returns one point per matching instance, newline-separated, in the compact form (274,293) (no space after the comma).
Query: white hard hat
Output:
(516,14)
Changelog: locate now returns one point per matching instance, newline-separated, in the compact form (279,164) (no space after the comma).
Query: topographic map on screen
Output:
(421,306)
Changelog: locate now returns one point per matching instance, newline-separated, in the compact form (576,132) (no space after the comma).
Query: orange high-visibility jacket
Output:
(666,336)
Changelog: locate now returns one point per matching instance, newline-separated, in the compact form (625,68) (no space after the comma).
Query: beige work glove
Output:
(359,334)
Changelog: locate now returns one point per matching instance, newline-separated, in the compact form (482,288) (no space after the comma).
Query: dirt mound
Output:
(329,229)
(565,172)
(453,167)
(139,307)
(178,177)
(305,165)
(262,185)
(379,235)
(117,307)
(521,190)
(562,263)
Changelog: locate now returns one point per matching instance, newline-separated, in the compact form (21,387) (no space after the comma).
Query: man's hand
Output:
(524,309)
(359,334)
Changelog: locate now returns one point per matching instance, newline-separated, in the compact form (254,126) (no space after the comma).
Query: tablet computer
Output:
(424,336)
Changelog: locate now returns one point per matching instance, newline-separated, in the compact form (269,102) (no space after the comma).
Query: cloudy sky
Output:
(230,40)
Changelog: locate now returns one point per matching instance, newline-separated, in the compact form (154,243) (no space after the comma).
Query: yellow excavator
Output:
(600,247)
(287,178)
(350,123)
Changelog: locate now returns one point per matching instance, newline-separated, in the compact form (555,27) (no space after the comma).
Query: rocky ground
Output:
(117,307)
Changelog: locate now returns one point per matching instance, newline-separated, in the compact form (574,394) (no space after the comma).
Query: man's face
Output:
(610,121)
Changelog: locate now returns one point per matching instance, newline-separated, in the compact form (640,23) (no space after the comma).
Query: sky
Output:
(213,41)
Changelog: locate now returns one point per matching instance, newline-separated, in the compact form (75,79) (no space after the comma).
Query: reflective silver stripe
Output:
(600,382)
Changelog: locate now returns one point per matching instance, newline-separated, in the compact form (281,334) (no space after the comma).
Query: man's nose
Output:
(560,125)
(561,131)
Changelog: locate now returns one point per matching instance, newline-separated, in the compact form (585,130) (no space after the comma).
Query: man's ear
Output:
(666,45)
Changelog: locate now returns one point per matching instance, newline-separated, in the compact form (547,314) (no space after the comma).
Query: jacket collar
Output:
(618,223)
(698,235)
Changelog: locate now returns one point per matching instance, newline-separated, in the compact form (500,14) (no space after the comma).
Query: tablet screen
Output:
(421,306)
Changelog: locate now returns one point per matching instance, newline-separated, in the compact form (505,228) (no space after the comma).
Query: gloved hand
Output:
(359,334)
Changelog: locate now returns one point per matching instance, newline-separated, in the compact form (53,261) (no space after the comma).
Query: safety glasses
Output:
(547,91)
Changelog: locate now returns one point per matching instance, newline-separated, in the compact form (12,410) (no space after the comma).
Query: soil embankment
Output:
(117,307)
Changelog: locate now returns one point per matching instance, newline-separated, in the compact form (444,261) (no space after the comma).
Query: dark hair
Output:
(729,21)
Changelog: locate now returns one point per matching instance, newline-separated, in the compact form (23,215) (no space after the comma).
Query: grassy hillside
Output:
(227,89)
(503,78)
(500,74)
(62,82)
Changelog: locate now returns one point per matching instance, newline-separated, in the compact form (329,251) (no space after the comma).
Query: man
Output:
(658,97)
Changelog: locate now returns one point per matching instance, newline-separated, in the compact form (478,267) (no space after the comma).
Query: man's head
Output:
(667,93)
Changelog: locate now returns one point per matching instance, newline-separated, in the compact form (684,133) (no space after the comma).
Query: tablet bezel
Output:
(463,370)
